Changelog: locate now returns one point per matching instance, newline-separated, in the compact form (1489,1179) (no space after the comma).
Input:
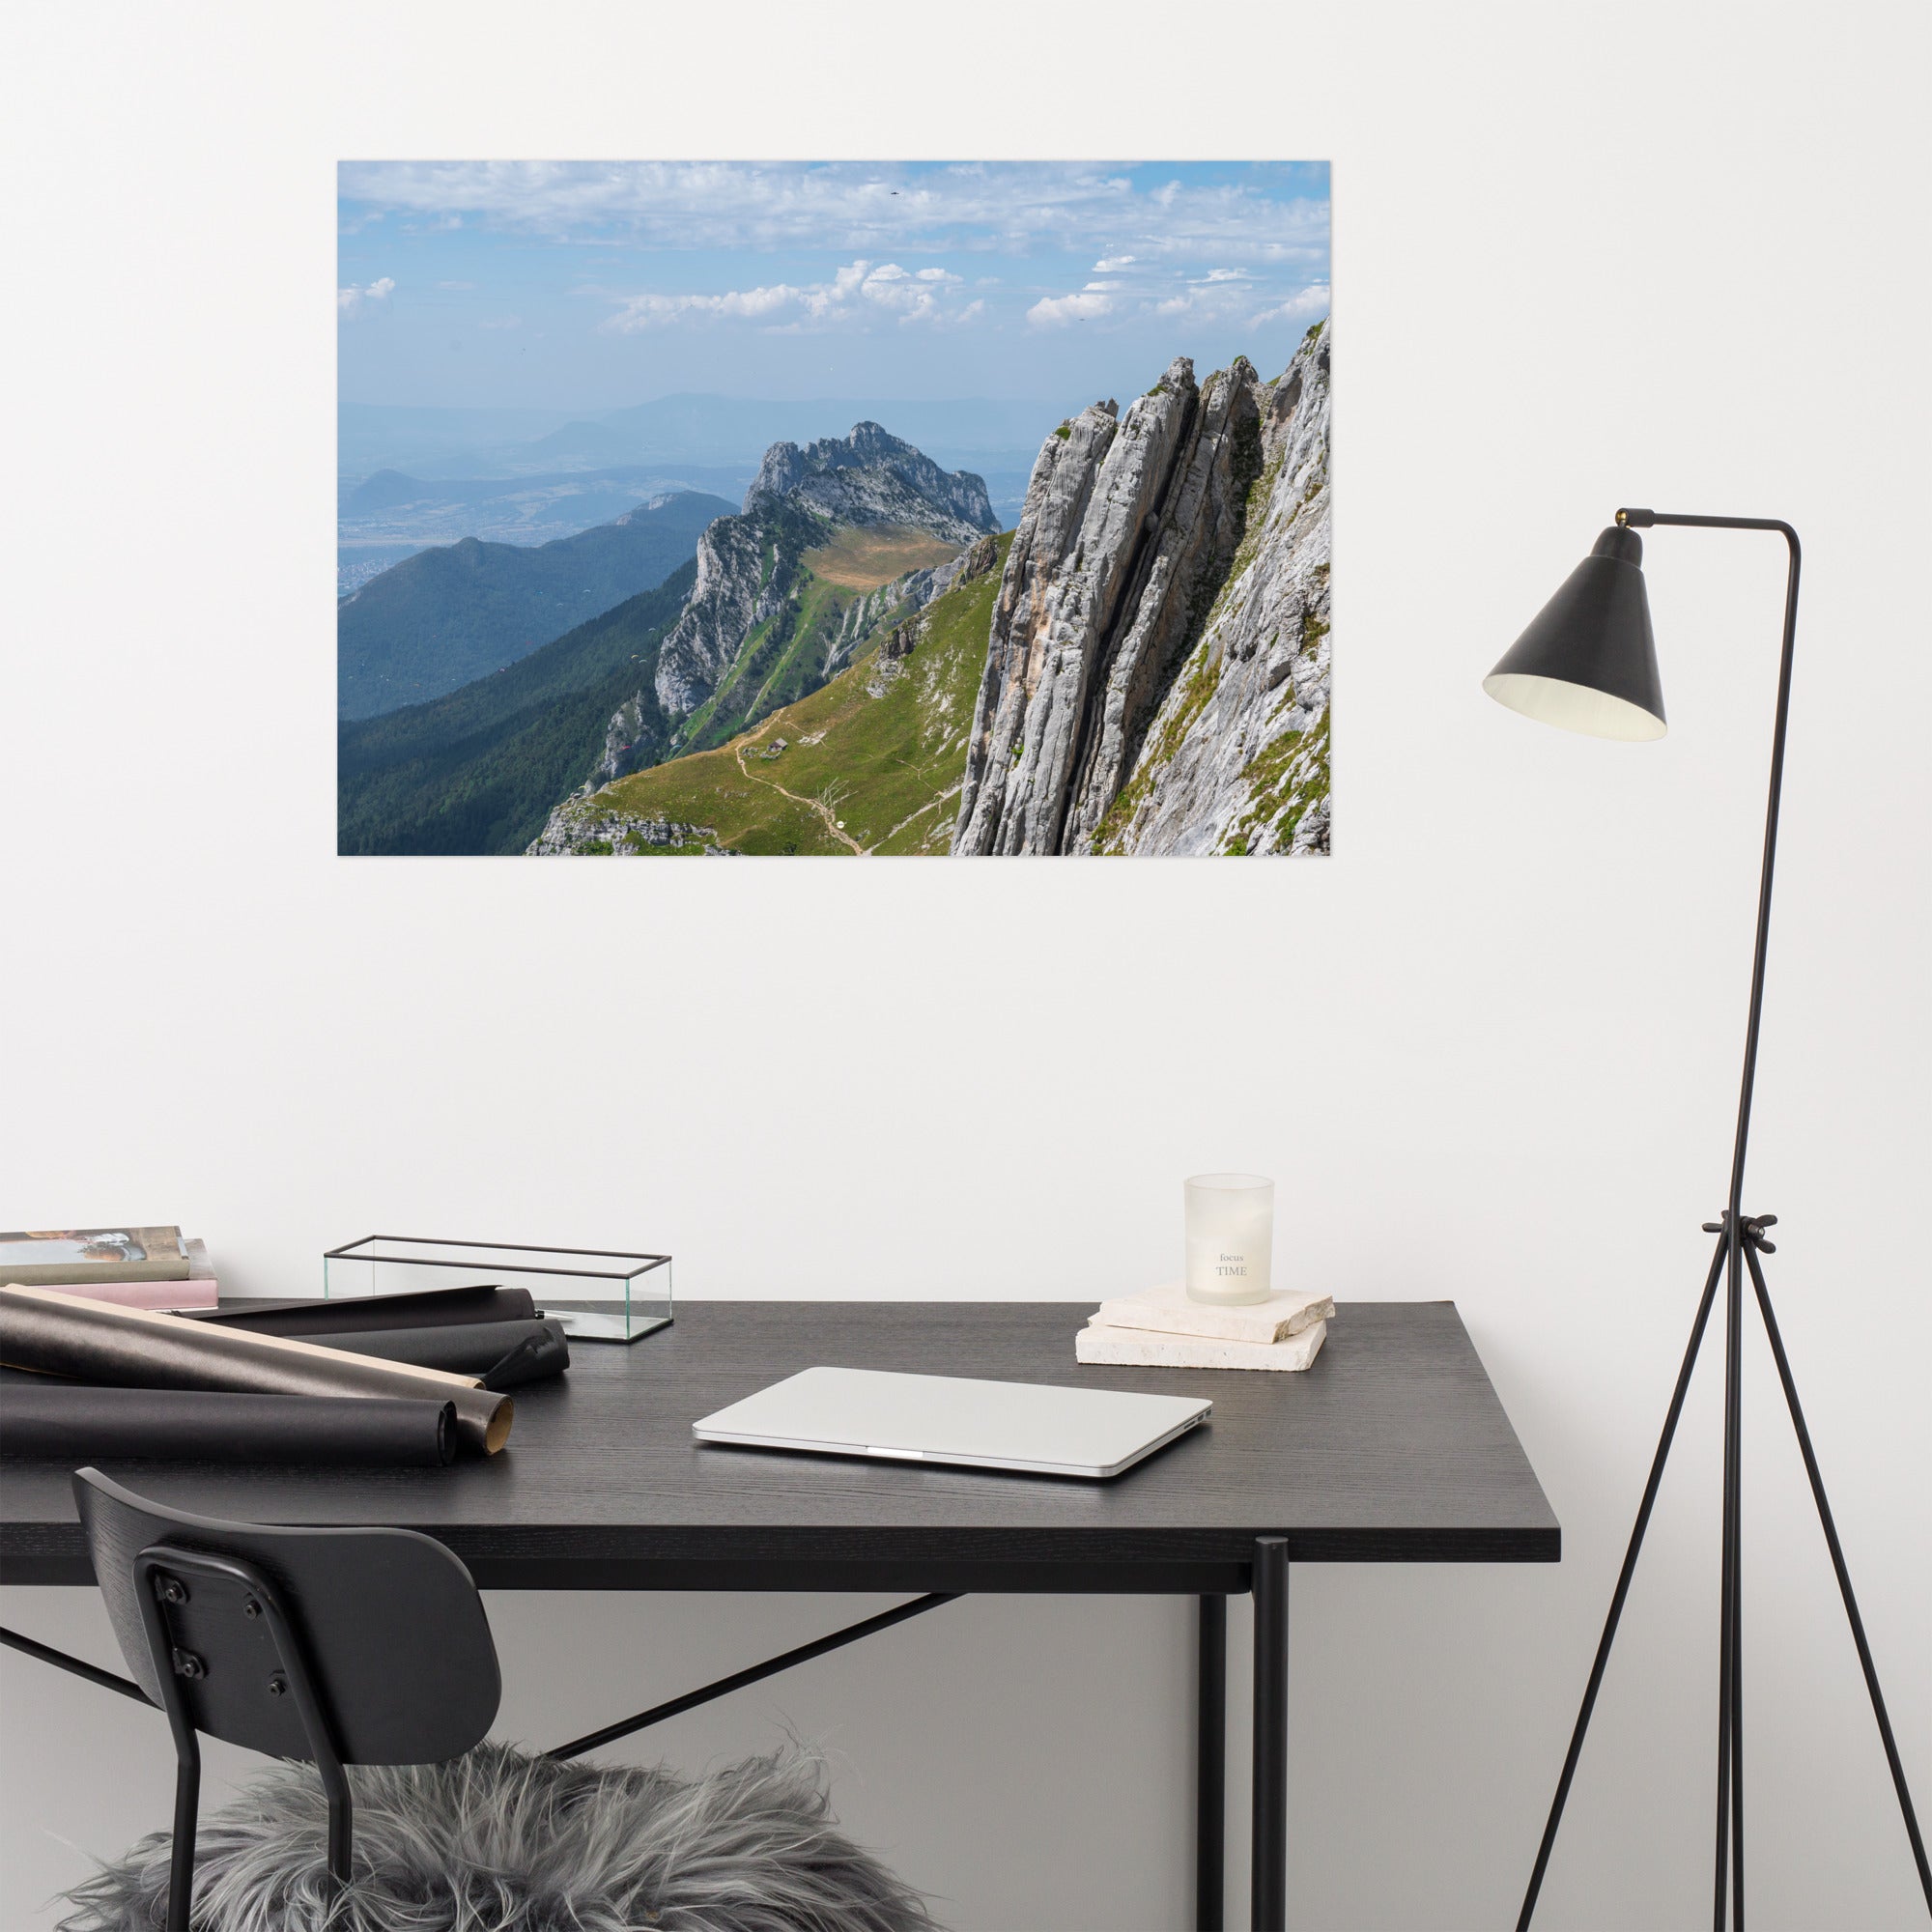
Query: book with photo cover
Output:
(200,1292)
(57,1257)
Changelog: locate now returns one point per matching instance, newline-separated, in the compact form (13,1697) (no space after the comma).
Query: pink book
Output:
(158,1295)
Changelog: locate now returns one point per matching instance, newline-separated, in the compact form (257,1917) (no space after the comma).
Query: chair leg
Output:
(341,1825)
(180,1863)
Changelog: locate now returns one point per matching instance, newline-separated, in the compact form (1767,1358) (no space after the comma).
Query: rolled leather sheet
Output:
(364,1314)
(136,1348)
(74,1424)
(467,1349)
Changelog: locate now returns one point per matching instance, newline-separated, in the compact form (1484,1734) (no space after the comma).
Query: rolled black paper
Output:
(137,1347)
(524,1363)
(465,1348)
(66,1422)
(364,1314)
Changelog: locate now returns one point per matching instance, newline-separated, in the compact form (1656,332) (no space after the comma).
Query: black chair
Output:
(330,1646)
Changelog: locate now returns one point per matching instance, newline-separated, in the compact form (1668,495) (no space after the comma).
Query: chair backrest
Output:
(391,1633)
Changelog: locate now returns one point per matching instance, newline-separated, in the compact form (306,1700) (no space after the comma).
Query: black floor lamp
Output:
(1587,663)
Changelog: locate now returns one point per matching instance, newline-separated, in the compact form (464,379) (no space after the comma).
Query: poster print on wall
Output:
(841,509)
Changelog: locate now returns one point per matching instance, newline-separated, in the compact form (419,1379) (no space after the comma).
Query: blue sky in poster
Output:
(583,286)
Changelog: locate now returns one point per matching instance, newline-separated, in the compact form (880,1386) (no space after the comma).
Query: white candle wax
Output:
(1230,1236)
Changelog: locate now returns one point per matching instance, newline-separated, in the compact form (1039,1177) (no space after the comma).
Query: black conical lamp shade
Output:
(1588,661)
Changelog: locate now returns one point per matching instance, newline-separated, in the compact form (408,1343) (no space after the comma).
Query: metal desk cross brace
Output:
(105,1680)
(738,1679)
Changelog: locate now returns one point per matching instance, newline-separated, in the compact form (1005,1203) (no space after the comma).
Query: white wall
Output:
(1656,254)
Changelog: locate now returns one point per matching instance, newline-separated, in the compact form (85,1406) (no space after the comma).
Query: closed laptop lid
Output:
(953,1419)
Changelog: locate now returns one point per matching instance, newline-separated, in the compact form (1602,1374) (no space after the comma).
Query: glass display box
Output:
(599,1295)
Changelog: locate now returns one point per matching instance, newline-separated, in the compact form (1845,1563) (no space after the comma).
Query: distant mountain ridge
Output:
(391,514)
(388,491)
(444,617)
(477,770)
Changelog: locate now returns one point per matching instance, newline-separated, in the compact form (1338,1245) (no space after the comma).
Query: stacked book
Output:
(130,1268)
(1163,1328)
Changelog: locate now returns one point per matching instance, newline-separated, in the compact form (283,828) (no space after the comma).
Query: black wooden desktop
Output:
(1392,1447)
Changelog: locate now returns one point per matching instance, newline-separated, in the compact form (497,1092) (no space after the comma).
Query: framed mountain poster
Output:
(837,509)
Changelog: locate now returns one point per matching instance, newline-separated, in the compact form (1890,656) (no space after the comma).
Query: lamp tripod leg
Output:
(1622,1590)
(1728,1881)
(1843,1575)
(1737,1461)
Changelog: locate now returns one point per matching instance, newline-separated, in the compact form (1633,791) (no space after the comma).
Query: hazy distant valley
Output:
(384,518)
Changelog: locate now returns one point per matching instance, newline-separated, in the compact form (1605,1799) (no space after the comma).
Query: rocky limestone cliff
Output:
(615,834)
(871,477)
(734,592)
(627,735)
(1157,672)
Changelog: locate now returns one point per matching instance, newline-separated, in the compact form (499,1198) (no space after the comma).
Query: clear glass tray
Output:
(598,1295)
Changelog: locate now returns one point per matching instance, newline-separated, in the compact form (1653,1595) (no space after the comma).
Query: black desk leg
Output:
(1270,1893)
(1210,1766)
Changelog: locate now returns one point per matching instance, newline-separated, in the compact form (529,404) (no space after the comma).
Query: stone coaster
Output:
(1167,1310)
(1142,1347)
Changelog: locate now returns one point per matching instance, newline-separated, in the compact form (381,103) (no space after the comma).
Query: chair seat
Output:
(499,1841)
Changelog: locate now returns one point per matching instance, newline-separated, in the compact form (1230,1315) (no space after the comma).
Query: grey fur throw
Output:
(500,1842)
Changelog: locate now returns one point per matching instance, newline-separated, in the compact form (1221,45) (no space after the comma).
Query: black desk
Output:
(1391,1448)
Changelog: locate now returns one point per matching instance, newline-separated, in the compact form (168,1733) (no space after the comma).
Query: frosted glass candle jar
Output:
(1230,1236)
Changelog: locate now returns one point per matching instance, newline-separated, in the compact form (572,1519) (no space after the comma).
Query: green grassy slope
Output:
(478,770)
(430,624)
(871,761)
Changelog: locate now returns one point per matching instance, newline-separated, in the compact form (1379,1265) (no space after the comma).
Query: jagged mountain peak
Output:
(871,476)
(749,566)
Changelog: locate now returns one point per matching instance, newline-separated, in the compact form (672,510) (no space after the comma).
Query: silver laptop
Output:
(980,1425)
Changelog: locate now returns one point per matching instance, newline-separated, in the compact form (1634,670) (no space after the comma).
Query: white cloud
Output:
(456,285)
(352,302)
(1234,294)
(646,311)
(857,207)
(1053,311)
(1312,302)
(502,322)
(856,290)
(1101,288)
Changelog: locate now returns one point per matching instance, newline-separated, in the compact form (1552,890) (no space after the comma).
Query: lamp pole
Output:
(1740,1239)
